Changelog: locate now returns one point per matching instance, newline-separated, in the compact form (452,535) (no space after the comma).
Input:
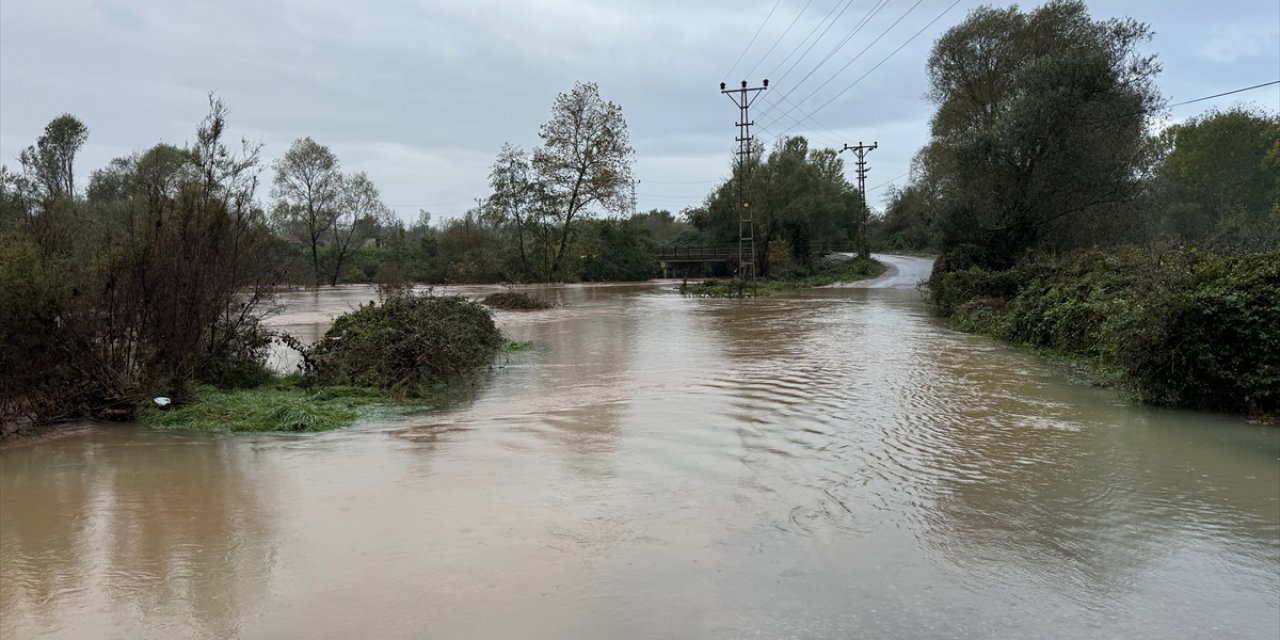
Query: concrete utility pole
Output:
(861,152)
(743,97)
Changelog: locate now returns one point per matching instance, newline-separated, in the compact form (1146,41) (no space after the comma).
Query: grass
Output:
(829,272)
(517,347)
(282,405)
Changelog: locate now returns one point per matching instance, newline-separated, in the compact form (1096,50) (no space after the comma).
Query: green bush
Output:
(512,300)
(409,345)
(1180,327)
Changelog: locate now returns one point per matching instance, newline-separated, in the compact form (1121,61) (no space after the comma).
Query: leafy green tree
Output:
(797,194)
(50,163)
(1219,165)
(584,161)
(1041,125)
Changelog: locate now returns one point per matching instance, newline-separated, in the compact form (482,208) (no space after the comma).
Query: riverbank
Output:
(1174,328)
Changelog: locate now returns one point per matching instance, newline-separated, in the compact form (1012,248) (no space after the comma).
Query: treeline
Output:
(1067,220)
(799,201)
(153,279)
(1046,138)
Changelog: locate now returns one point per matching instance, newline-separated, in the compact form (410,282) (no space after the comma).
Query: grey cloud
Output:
(421,95)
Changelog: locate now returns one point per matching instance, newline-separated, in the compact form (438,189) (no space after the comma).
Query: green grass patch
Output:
(282,405)
(517,347)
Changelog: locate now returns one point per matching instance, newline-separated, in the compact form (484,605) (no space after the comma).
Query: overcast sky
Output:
(422,94)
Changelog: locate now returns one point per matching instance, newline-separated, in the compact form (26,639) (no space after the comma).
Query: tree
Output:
(159,281)
(1041,125)
(585,160)
(514,196)
(308,184)
(798,195)
(1218,168)
(359,213)
(50,163)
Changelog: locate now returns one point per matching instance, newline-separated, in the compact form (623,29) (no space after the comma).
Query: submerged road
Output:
(904,272)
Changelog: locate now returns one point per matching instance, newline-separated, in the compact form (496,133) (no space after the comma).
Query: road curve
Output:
(904,272)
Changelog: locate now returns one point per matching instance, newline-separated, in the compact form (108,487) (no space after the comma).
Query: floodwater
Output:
(826,464)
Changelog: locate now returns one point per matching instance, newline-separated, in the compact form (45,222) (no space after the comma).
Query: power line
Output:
(888,182)
(875,9)
(807,36)
(1227,93)
(753,38)
(865,49)
(886,59)
(780,38)
(784,75)
(835,139)
(682,181)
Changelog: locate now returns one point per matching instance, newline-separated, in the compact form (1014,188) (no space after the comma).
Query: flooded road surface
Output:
(828,464)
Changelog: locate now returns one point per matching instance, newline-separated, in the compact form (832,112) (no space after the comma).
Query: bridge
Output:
(717,259)
(698,259)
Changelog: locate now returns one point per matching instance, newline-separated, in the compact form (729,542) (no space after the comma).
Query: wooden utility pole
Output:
(861,152)
(743,97)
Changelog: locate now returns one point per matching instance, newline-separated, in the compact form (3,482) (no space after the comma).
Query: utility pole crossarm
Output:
(742,98)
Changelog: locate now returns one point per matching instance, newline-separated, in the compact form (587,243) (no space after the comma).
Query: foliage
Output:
(409,345)
(330,213)
(1180,327)
(1040,132)
(515,301)
(797,195)
(153,279)
(584,161)
(910,221)
(286,405)
(308,183)
(49,166)
(1220,179)
(616,251)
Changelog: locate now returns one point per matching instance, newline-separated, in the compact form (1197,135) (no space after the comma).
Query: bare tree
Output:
(585,159)
(513,196)
(359,215)
(308,184)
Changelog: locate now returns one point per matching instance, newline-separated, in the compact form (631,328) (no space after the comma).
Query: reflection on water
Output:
(827,464)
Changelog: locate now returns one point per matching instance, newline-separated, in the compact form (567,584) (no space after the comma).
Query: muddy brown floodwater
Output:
(826,464)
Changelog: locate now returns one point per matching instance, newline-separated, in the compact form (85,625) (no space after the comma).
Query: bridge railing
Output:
(694,252)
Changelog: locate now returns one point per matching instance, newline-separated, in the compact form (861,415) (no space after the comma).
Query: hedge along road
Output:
(819,464)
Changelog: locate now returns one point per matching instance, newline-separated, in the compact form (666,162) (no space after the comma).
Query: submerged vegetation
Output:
(410,346)
(831,270)
(516,301)
(1174,327)
(283,405)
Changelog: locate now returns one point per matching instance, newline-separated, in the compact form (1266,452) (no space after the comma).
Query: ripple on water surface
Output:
(823,464)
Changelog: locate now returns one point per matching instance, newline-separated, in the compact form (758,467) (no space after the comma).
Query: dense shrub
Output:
(409,345)
(515,301)
(1179,327)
